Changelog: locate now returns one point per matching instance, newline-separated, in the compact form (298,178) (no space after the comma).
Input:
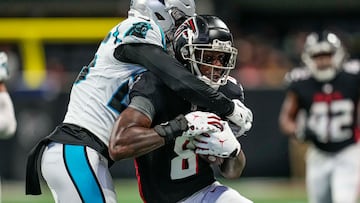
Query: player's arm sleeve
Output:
(175,76)
(7,116)
(147,94)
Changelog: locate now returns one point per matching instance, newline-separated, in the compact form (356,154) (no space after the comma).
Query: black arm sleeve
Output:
(175,76)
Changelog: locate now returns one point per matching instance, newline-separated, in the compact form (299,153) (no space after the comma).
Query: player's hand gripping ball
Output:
(217,145)
(242,117)
(202,122)
(212,159)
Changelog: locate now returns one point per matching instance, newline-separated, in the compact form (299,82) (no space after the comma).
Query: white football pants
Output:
(216,193)
(333,177)
(77,174)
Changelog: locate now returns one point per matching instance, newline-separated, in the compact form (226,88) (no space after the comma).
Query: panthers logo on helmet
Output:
(139,29)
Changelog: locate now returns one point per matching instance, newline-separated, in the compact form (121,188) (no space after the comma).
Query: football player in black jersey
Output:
(328,91)
(169,168)
(98,95)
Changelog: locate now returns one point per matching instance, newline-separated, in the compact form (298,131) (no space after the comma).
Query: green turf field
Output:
(259,190)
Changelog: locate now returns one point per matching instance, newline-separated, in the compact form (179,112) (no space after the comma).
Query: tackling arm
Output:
(175,76)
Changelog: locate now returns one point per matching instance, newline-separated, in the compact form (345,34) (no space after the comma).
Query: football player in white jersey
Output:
(328,90)
(7,114)
(75,159)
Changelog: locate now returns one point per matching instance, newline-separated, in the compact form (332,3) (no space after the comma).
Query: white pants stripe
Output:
(216,193)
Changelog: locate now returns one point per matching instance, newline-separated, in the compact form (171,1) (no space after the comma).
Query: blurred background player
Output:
(75,159)
(328,90)
(7,114)
(168,164)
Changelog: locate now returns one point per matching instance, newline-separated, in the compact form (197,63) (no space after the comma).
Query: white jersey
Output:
(100,92)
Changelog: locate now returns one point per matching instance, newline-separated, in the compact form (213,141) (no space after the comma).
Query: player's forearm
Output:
(134,142)
(132,136)
(232,168)
(175,76)
(288,114)
(290,129)
(2,87)
(287,125)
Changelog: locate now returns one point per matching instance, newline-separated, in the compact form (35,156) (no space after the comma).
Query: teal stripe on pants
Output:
(80,171)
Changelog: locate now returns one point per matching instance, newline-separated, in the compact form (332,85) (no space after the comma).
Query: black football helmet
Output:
(203,34)
(323,43)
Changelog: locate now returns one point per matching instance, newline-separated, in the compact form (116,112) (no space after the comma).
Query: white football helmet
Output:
(205,34)
(169,14)
(324,43)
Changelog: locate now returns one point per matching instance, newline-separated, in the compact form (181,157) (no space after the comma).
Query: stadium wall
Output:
(265,147)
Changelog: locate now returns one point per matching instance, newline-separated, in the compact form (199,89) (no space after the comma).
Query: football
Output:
(212,159)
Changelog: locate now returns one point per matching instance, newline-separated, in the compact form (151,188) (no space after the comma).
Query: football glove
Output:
(4,71)
(191,124)
(242,117)
(219,144)
(202,122)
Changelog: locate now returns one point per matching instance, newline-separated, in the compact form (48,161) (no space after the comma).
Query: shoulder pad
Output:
(232,79)
(297,74)
(236,82)
(138,30)
(352,67)
(233,89)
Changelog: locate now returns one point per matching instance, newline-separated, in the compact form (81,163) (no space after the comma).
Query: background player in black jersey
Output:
(328,90)
(169,168)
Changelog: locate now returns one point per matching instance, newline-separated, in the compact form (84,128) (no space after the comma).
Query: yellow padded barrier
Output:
(31,33)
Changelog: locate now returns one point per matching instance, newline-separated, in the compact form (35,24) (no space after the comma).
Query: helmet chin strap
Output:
(320,75)
(324,75)
(206,80)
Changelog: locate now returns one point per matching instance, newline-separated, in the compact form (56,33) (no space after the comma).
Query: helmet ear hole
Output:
(184,53)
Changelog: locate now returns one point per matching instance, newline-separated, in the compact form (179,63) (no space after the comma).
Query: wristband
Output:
(172,129)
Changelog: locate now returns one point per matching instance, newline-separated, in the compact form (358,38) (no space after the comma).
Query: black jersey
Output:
(172,172)
(331,107)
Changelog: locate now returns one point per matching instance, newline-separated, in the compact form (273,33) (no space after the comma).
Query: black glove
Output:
(172,129)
